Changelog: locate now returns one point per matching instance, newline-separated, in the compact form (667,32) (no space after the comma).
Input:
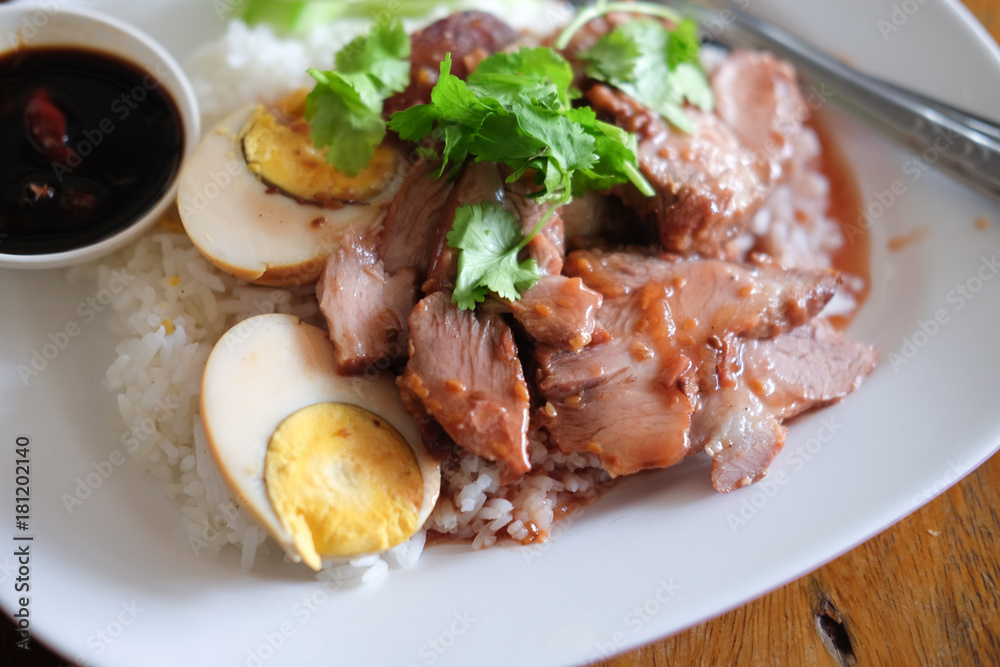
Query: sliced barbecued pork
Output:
(468,36)
(628,399)
(366,309)
(739,425)
(706,184)
(464,373)
(482,182)
(369,287)
(758,98)
(681,343)
(548,247)
(740,434)
(710,183)
(712,297)
(479,182)
(558,311)
(414,218)
(811,367)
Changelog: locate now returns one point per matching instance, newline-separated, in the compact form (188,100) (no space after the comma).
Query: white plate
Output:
(115,583)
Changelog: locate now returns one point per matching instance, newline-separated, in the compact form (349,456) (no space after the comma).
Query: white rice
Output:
(177,305)
(253,64)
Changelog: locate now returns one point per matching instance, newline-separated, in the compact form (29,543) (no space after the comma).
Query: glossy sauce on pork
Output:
(694,321)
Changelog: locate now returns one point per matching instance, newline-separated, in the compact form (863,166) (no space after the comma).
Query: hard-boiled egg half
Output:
(329,465)
(261,202)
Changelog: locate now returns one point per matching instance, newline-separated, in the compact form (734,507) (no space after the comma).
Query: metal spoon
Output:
(965,145)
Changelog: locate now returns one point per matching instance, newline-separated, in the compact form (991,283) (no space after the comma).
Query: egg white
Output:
(263,370)
(251,231)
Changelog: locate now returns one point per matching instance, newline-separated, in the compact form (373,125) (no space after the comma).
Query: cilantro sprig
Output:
(516,109)
(489,237)
(344,110)
(659,68)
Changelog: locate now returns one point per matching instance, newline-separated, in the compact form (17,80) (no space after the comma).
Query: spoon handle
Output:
(960,143)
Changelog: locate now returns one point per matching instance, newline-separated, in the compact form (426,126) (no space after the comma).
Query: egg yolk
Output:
(342,482)
(282,154)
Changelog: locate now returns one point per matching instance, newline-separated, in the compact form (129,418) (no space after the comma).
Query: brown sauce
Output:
(854,257)
(88,143)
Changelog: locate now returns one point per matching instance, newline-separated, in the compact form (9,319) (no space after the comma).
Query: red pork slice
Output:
(706,184)
(810,367)
(740,425)
(558,311)
(485,182)
(413,219)
(712,297)
(369,287)
(464,373)
(673,333)
(758,97)
(629,399)
(548,247)
(365,308)
(478,183)
(468,36)
(710,183)
(740,434)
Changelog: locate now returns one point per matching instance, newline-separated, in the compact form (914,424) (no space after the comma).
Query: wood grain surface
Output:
(924,592)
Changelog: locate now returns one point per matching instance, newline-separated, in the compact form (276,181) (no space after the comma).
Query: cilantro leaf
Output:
(342,119)
(344,109)
(381,55)
(684,45)
(489,237)
(658,67)
(540,75)
(516,109)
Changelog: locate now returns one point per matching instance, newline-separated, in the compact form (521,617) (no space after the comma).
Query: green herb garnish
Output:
(344,110)
(655,66)
(489,237)
(515,109)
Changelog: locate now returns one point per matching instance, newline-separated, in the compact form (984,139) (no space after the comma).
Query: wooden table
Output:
(924,592)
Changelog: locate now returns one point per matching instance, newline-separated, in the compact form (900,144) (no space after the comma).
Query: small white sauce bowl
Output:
(33,26)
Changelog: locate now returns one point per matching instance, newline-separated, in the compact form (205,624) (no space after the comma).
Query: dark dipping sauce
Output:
(88,144)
